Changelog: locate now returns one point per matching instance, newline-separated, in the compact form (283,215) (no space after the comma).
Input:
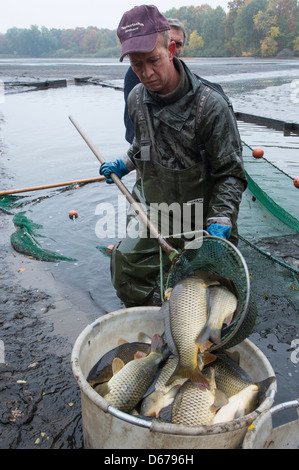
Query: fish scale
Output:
(188,308)
(230,377)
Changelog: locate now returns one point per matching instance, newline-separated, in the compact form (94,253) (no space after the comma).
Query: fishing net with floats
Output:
(25,239)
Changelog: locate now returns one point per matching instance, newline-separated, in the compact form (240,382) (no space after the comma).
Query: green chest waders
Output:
(135,261)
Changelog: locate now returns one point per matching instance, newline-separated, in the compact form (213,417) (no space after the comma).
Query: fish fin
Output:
(202,339)
(144,338)
(154,403)
(208,357)
(203,336)
(195,376)
(121,341)
(171,394)
(205,346)
(139,355)
(167,293)
(207,333)
(220,400)
(102,389)
(157,343)
(204,359)
(117,365)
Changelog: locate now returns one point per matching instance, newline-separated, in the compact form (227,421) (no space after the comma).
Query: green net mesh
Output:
(269,212)
(24,240)
(269,205)
(10,202)
(220,257)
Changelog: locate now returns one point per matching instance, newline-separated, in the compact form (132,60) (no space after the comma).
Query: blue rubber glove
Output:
(218,230)
(118,167)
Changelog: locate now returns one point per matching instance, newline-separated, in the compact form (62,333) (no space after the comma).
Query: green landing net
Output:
(219,257)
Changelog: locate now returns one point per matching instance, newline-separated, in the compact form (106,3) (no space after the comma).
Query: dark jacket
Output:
(130,81)
(213,145)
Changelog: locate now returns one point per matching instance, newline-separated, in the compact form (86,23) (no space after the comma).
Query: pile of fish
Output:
(174,377)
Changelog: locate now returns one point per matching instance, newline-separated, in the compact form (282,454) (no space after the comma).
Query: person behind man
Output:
(185,148)
(178,35)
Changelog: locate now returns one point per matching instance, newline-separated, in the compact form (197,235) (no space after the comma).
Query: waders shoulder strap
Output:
(146,131)
(205,91)
(145,141)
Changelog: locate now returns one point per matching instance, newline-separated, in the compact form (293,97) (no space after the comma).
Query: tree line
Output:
(250,28)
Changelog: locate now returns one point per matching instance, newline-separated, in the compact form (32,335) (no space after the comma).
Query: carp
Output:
(238,405)
(193,406)
(130,381)
(222,304)
(102,370)
(185,314)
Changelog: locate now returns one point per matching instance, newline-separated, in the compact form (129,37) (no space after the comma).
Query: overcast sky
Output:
(72,13)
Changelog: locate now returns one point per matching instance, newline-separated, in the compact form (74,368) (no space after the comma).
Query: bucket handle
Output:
(129,418)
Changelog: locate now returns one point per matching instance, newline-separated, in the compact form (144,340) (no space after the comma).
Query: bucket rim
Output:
(266,418)
(155,425)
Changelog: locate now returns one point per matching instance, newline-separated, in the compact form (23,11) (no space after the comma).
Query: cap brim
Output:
(139,44)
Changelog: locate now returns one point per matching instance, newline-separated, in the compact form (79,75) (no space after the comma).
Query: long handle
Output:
(171,252)
(48,186)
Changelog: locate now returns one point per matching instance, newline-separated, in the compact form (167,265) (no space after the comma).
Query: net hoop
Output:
(238,260)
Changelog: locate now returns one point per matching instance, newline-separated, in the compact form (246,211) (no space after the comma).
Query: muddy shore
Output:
(108,70)
(40,401)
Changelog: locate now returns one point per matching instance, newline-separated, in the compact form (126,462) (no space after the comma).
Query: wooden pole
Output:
(170,250)
(48,186)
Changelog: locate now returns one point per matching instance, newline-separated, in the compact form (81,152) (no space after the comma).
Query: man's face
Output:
(177,36)
(155,68)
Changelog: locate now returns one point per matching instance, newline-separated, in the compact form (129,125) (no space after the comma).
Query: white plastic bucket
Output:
(105,427)
(262,434)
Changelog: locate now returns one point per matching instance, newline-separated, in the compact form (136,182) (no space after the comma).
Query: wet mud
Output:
(39,398)
(109,70)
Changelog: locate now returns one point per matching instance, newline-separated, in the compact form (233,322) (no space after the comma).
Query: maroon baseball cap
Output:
(138,29)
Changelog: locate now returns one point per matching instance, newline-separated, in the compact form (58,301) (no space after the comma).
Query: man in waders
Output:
(186,149)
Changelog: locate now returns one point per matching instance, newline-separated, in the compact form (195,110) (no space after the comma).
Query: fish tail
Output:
(202,339)
(198,379)
(195,376)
